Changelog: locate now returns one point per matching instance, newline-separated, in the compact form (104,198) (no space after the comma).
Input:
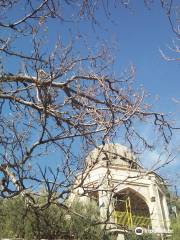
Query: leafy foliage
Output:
(176,227)
(19,221)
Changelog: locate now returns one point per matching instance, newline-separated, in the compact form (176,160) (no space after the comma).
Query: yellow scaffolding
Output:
(129,213)
(127,219)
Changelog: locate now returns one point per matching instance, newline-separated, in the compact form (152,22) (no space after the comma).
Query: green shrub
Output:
(175,224)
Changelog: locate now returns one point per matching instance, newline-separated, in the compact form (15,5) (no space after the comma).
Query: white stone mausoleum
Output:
(127,195)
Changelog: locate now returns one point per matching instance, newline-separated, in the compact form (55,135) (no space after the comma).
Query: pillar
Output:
(155,209)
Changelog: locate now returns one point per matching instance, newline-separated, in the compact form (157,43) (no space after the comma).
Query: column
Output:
(155,209)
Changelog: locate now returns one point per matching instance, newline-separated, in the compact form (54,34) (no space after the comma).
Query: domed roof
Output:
(114,153)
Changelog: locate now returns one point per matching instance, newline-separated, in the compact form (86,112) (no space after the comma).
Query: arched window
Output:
(130,209)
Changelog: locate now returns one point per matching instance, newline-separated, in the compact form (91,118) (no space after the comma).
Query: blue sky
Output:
(134,36)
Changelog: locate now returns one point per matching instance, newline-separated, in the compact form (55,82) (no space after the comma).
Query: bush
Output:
(176,228)
(18,221)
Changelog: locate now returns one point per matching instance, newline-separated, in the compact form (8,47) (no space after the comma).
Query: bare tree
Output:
(59,101)
(172,11)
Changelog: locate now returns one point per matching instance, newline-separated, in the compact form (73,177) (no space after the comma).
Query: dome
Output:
(113,153)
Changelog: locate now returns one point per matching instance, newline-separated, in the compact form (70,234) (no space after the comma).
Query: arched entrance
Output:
(131,210)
